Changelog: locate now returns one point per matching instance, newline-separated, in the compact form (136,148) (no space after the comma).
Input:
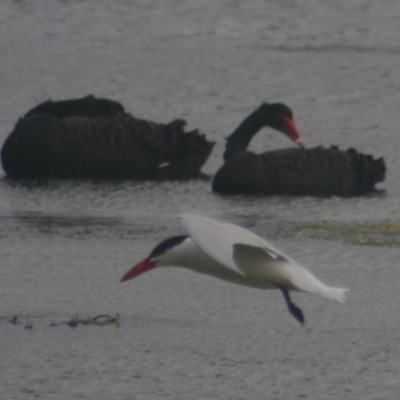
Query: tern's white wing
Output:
(249,255)
(220,240)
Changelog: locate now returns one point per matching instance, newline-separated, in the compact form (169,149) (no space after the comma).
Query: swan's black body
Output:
(88,106)
(95,138)
(294,171)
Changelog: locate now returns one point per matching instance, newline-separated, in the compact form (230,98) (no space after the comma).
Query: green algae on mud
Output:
(99,320)
(385,233)
(336,48)
(73,322)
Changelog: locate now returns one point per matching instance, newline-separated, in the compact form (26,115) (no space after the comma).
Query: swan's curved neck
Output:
(241,137)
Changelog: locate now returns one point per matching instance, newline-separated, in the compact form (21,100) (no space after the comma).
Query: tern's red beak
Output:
(290,129)
(138,269)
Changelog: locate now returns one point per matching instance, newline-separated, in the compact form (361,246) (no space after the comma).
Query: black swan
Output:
(88,106)
(295,171)
(95,138)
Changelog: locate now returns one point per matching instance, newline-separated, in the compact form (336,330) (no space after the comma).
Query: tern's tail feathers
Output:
(305,281)
(335,294)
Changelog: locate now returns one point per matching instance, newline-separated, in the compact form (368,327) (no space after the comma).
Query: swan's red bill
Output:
(138,269)
(290,129)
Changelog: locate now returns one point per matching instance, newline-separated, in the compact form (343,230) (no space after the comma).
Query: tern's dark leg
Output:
(293,309)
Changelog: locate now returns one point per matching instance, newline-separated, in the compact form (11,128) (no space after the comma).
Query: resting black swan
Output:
(88,106)
(315,172)
(95,138)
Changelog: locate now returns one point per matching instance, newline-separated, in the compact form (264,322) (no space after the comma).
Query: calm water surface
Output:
(65,245)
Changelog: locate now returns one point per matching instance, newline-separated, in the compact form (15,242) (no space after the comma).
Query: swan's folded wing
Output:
(223,241)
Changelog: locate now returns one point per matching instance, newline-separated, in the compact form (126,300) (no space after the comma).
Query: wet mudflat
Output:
(65,245)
